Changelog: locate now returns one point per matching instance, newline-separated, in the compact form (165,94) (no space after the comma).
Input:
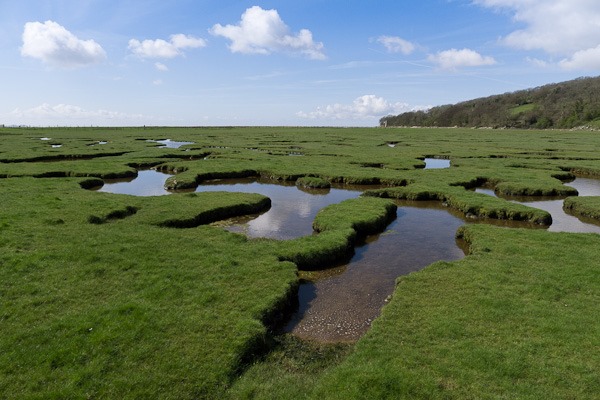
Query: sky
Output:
(282,63)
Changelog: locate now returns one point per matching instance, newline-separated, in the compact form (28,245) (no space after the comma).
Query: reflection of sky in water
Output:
(292,210)
(170,144)
(342,306)
(561,221)
(147,183)
(435,163)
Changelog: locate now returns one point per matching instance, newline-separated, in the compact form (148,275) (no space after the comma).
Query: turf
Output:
(117,296)
(515,319)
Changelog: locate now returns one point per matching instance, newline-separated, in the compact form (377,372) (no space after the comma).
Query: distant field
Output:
(117,296)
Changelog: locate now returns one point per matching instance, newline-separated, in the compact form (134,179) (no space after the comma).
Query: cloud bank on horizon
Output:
(560,37)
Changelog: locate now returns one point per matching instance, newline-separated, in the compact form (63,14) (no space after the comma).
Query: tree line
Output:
(559,105)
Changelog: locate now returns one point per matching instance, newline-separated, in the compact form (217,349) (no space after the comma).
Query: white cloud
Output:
(65,114)
(588,59)
(394,44)
(264,32)
(536,62)
(161,67)
(558,27)
(55,45)
(453,58)
(363,107)
(160,48)
(157,82)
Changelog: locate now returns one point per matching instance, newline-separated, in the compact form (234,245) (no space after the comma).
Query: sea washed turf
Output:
(515,319)
(117,296)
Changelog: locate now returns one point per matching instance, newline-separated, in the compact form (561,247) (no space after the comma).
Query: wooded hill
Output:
(559,105)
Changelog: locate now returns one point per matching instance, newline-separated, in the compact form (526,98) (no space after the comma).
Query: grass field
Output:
(116,296)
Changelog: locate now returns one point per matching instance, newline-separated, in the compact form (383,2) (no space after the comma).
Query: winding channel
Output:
(339,304)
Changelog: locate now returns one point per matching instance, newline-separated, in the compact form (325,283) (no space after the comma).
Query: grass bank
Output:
(514,319)
(586,207)
(471,204)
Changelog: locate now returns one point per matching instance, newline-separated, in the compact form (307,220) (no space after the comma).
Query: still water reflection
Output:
(292,210)
(561,221)
(147,183)
(436,163)
(340,304)
(170,144)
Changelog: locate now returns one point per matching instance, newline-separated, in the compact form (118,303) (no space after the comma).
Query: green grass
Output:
(586,207)
(311,182)
(515,319)
(116,296)
(127,309)
(522,109)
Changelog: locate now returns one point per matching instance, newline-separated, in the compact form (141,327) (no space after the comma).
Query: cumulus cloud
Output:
(583,59)
(55,45)
(65,114)
(453,58)
(264,32)
(394,44)
(555,26)
(161,48)
(570,29)
(363,107)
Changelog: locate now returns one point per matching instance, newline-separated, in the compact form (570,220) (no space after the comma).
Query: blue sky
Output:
(309,62)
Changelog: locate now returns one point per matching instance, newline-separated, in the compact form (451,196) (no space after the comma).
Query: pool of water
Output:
(170,144)
(561,221)
(436,163)
(292,210)
(147,183)
(339,304)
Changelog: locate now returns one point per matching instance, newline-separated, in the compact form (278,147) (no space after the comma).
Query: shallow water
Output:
(292,210)
(561,221)
(436,163)
(170,144)
(147,183)
(340,304)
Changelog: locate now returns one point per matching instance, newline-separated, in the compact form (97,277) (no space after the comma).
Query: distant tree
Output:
(563,105)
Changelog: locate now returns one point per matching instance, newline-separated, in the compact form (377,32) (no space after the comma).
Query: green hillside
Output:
(567,105)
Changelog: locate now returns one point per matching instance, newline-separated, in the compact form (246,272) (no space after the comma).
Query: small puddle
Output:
(561,221)
(147,183)
(170,144)
(436,163)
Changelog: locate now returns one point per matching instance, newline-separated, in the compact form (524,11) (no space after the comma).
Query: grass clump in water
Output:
(313,182)
(587,207)
(471,204)
(340,226)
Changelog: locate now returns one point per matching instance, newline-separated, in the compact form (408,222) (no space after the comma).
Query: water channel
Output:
(340,303)
(561,221)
